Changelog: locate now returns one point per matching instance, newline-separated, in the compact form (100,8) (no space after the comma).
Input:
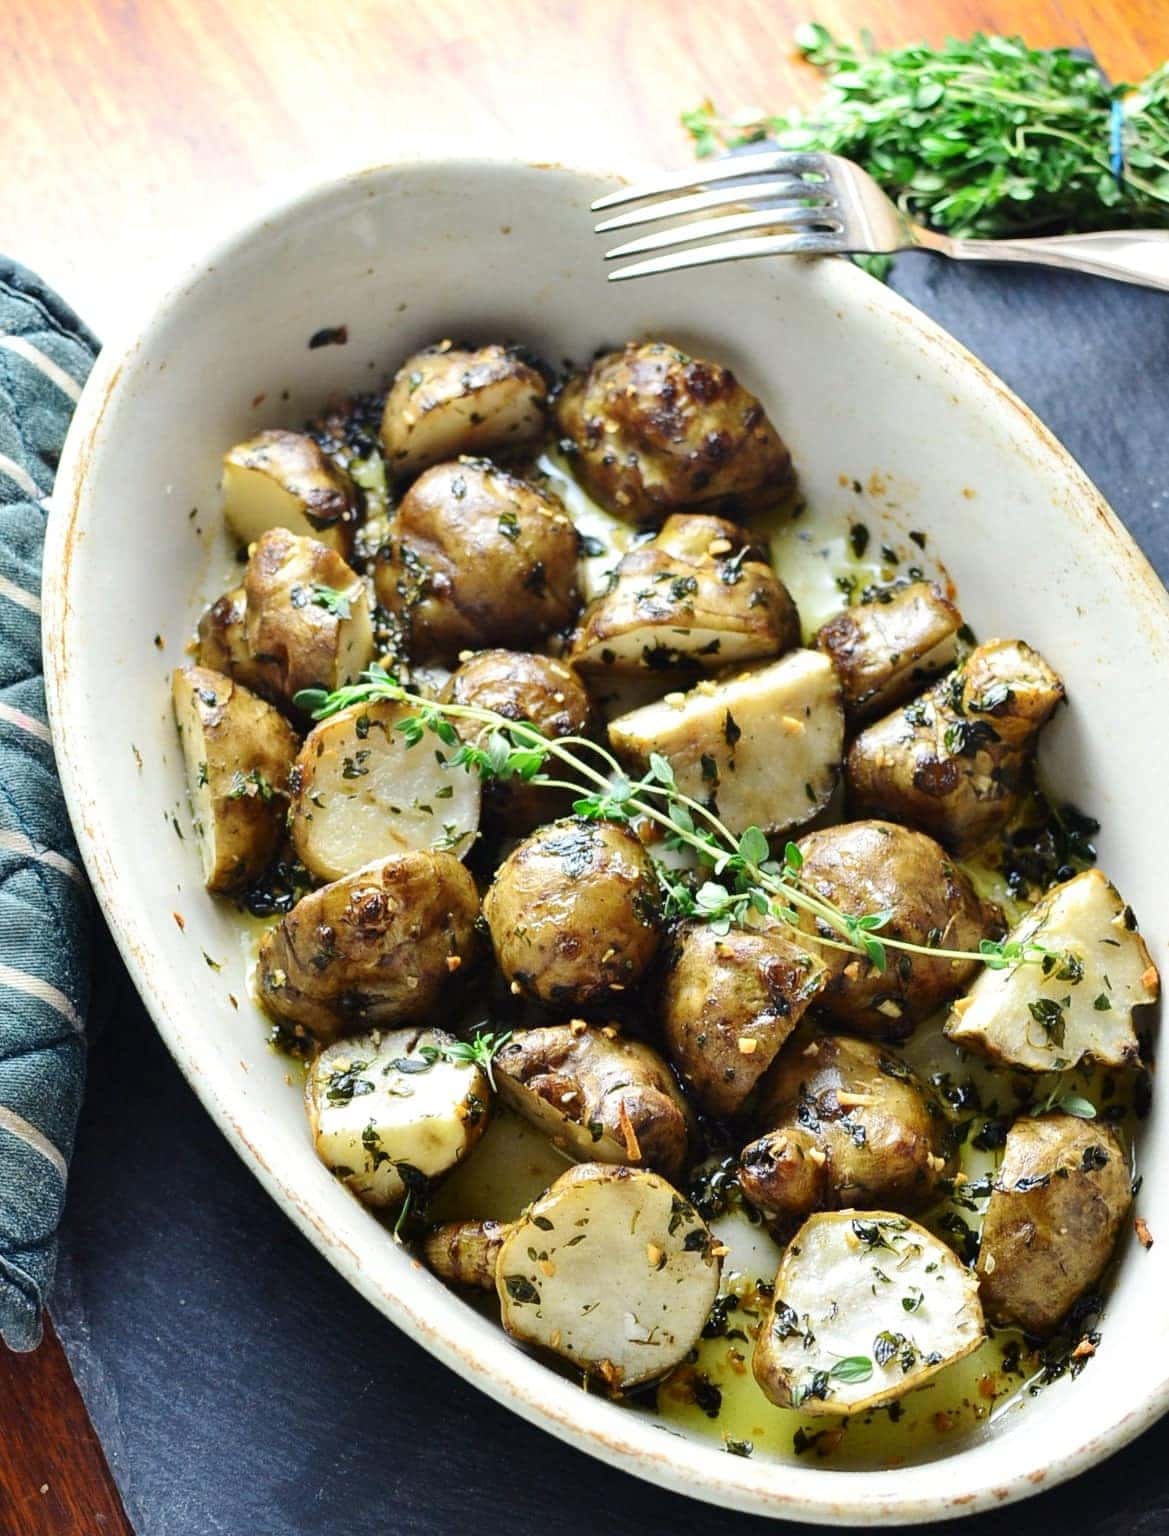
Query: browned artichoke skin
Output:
(464,1252)
(223,644)
(247,752)
(600,1078)
(884,650)
(538,690)
(785,1176)
(293,640)
(728,1003)
(655,431)
(446,400)
(573,914)
(699,575)
(324,489)
(477,557)
(884,1146)
(953,763)
(377,947)
(876,866)
(1060,1197)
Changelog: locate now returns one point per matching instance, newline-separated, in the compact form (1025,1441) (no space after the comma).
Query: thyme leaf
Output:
(332,600)
(481,1051)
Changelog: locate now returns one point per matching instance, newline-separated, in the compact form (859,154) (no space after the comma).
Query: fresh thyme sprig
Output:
(481,1051)
(982,136)
(745,877)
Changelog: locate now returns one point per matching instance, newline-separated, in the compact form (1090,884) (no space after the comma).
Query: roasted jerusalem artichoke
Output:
(848,1124)
(957,761)
(654,431)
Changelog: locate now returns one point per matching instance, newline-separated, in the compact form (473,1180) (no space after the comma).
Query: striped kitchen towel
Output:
(45,355)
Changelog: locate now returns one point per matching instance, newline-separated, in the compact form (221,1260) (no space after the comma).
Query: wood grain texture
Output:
(136,133)
(53,1477)
(144,130)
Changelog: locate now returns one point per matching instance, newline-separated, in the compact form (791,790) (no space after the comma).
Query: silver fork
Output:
(806,204)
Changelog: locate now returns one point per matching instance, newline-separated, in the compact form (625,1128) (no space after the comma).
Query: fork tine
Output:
(790,215)
(767,162)
(718,197)
(734,250)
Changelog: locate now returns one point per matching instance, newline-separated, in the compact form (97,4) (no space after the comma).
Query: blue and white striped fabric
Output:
(45,355)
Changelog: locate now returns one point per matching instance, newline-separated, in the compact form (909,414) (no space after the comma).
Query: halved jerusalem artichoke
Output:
(379,947)
(364,789)
(762,748)
(239,753)
(445,401)
(573,913)
(598,1095)
(863,867)
(691,597)
(729,1001)
(1046,1015)
(958,760)
(848,1124)
(283,479)
(477,557)
(885,649)
(390,1113)
(307,619)
(542,692)
(1060,1196)
(612,1270)
(867,1307)
(655,431)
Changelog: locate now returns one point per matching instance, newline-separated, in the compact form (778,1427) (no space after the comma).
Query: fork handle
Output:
(1138,256)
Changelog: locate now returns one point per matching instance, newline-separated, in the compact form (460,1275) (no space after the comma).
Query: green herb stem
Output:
(759,882)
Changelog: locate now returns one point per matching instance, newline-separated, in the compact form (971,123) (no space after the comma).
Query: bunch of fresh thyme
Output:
(984,137)
(742,875)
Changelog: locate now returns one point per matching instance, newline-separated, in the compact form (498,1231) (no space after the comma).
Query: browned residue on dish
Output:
(878,484)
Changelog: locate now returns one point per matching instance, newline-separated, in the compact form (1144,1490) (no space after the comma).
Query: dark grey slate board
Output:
(241,1388)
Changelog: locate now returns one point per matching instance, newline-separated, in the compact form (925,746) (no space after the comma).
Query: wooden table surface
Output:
(135,134)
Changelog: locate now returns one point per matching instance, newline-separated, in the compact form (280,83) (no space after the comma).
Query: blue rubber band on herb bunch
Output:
(1116,126)
(1117,121)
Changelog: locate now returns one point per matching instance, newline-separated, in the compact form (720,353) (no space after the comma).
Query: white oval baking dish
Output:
(860,385)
